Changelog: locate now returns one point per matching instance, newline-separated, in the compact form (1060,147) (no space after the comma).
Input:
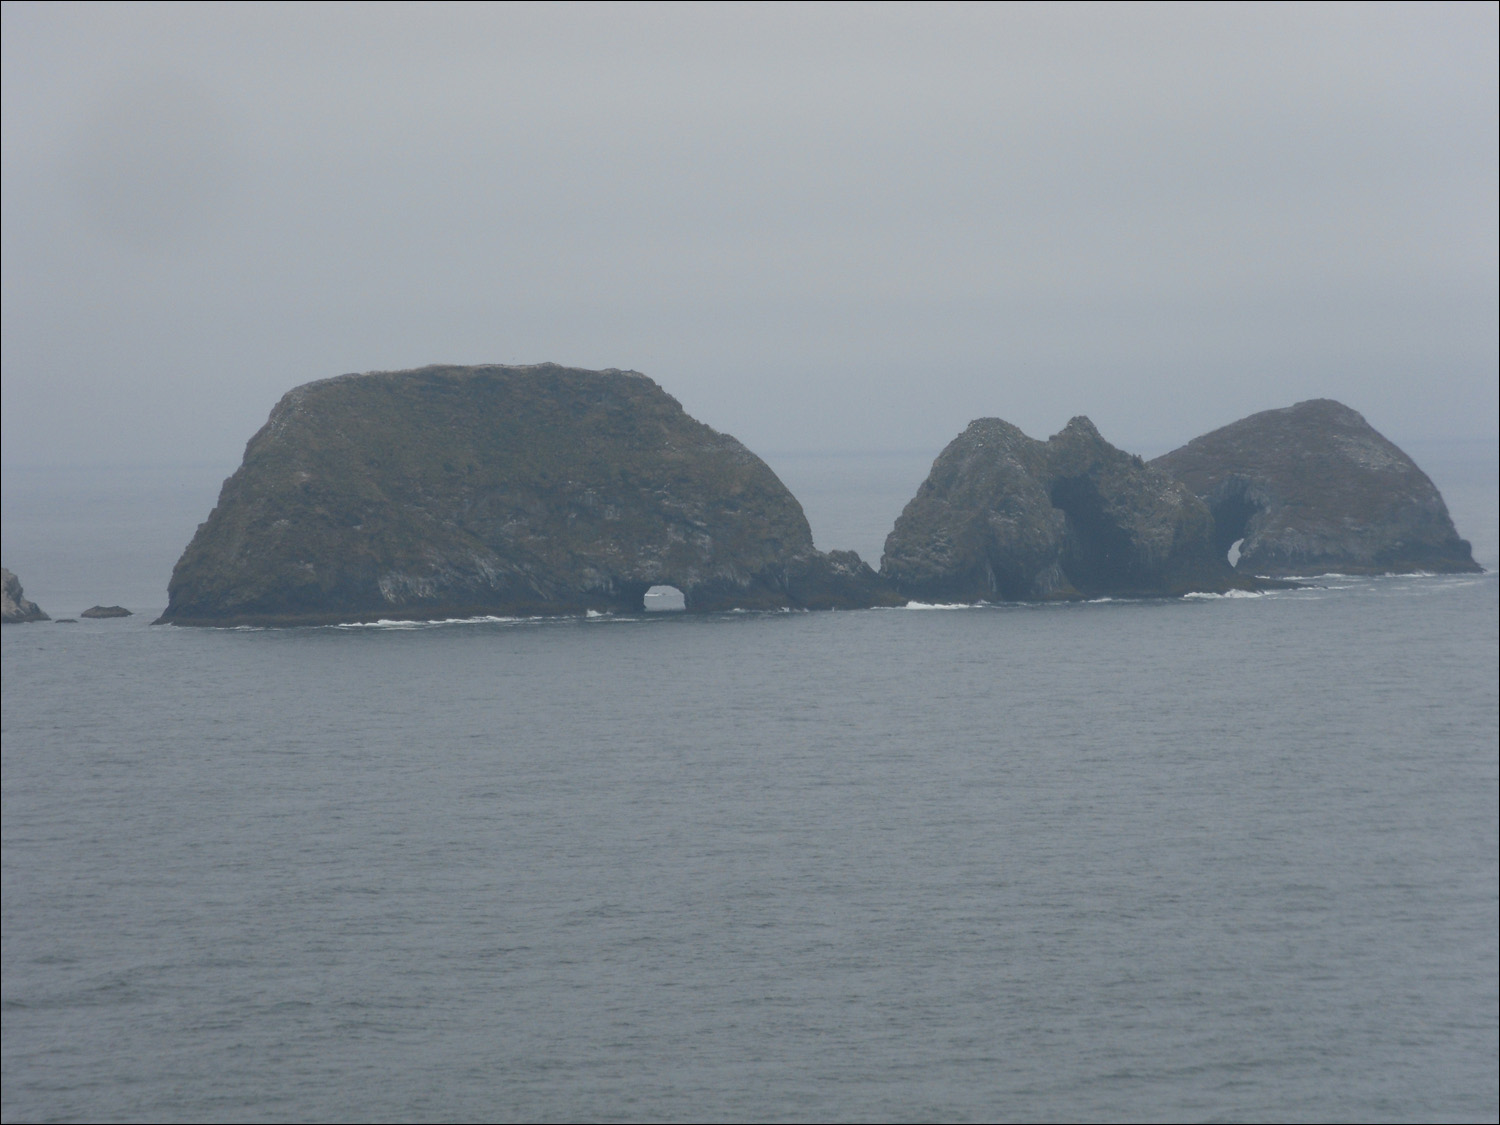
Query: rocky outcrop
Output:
(1004,517)
(106,611)
(459,491)
(15,607)
(1313,488)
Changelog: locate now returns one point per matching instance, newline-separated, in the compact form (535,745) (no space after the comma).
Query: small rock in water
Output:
(106,611)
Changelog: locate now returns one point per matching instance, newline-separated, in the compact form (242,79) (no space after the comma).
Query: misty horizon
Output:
(819,228)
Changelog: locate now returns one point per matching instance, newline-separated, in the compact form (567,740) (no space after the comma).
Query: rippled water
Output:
(1220,858)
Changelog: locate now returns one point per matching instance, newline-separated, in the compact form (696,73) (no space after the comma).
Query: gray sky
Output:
(821,228)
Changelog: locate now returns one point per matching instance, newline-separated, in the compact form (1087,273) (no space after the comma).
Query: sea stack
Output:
(1312,489)
(464,491)
(1004,517)
(15,607)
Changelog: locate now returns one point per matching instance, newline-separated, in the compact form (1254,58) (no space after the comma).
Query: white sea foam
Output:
(1203,595)
(394,623)
(1341,574)
(942,605)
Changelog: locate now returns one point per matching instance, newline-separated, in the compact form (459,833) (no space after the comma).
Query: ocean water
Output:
(1208,859)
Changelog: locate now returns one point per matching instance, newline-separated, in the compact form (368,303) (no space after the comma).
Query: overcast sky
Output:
(820,228)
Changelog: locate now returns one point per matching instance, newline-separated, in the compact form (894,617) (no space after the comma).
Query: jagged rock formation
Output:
(106,611)
(1313,488)
(1004,517)
(458,491)
(15,607)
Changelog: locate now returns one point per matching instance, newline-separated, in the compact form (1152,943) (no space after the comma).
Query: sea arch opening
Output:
(1234,506)
(664,599)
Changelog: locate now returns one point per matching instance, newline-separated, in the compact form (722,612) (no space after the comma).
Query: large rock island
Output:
(1004,517)
(1313,488)
(464,491)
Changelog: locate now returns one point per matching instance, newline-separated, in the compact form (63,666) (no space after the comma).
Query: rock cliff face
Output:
(14,606)
(456,491)
(1313,488)
(1004,517)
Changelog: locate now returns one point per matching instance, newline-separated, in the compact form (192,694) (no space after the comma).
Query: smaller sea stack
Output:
(1314,489)
(1004,517)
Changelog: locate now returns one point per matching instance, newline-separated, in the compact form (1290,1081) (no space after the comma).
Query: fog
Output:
(820,228)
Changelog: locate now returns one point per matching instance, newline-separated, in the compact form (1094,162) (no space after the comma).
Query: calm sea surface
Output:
(1220,858)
